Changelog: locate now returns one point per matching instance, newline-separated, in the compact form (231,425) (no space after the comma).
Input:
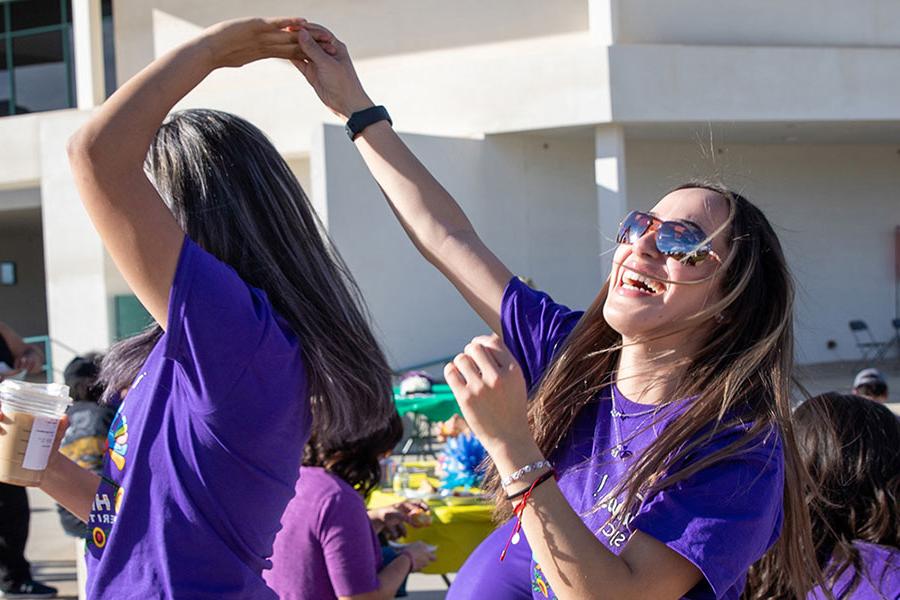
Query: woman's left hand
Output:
(240,41)
(490,389)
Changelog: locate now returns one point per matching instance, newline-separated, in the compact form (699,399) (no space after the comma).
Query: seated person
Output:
(327,547)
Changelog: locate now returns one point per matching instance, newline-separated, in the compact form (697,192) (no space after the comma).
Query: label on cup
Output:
(40,442)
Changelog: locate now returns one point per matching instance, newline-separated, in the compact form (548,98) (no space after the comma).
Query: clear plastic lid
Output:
(40,399)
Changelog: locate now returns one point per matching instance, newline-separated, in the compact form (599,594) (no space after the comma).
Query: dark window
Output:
(4,81)
(37,70)
(29,14)
(41,74)
(109,49)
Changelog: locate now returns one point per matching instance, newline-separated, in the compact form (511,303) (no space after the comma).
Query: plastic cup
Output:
(31,414)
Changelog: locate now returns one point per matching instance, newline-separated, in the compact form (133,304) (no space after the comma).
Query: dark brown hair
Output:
(235,196)
(742,373)
(851,447)
(355,461)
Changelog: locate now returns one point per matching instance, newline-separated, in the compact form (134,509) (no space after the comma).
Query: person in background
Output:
(85,440)
(15,515)
(851,447)
(328,547)
(871,384)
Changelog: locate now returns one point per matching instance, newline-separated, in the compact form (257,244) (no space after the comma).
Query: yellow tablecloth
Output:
(455,530)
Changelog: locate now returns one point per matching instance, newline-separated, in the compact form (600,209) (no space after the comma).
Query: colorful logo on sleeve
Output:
(539,583)
(106,505)
(118,440)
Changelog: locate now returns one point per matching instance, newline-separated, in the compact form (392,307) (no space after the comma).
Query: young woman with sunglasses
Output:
(645,442)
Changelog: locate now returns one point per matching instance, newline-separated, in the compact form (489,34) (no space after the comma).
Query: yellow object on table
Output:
(455,530)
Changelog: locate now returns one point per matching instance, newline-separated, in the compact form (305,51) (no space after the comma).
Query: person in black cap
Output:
(871,384)
(15,572)
(85,440)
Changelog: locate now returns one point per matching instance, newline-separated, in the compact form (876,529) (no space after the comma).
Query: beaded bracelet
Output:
(517,475)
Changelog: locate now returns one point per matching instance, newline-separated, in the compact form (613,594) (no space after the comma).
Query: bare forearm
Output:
(428,213)
(391,577)
(120,132)
(576,563)
(71,486)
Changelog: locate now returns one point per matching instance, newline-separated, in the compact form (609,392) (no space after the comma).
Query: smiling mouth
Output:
(641,283)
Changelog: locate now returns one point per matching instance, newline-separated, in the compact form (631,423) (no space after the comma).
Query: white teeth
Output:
(629,278)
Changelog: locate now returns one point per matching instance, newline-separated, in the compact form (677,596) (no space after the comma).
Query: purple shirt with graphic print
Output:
(721,519)
(327,547)
(879,578)
(205,448)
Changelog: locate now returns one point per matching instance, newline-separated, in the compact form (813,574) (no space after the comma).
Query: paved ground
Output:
(52,553)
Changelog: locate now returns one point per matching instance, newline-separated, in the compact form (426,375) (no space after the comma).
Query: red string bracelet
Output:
(519,509)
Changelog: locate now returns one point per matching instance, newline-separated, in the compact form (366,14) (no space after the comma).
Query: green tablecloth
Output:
(439,405)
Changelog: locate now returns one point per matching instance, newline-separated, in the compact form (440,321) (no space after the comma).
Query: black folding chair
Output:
(869,348)
(894,341)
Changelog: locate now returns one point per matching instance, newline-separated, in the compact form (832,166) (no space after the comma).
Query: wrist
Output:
(355,103)
(204,48)
(409,557)
(511,455)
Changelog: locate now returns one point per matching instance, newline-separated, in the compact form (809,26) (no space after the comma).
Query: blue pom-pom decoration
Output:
(461,462)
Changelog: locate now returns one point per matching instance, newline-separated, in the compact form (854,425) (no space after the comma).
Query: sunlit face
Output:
(638,305)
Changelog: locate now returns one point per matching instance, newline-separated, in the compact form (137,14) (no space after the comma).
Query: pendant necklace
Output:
(620,450)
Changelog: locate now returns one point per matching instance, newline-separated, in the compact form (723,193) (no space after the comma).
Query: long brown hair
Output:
(851,447)
(235,196)
(740,374)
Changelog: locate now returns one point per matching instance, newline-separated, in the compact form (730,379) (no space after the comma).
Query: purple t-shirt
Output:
(721,519)
(204,450)
(880,579)
(327,546)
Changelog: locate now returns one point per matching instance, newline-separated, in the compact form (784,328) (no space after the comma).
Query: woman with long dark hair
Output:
(261,335)
(851,447)
(645,443)
(328,548)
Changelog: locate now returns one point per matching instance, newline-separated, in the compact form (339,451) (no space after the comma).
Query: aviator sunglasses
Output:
(682,240)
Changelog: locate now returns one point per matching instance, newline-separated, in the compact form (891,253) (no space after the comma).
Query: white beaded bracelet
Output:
(517,475)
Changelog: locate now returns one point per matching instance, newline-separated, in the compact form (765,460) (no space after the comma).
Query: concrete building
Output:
(547,120)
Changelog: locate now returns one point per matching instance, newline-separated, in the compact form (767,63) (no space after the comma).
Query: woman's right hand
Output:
(240,41)
(328,69)
(420,554)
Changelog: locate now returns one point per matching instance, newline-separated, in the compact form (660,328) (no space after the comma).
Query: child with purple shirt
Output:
(851,447)
(327,548)
(260,334)
(646,442)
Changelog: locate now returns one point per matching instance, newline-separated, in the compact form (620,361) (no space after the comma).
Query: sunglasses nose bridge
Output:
(646,244)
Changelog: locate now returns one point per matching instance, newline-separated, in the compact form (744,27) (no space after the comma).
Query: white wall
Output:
(78,286)
(758,23)
(668,83)
(19,151)
(835,209)
(370,28)
(532,200)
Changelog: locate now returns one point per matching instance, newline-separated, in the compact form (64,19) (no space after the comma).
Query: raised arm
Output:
(107,153)
(431,217)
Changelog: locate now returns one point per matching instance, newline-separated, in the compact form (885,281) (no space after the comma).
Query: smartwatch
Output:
(361,119)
